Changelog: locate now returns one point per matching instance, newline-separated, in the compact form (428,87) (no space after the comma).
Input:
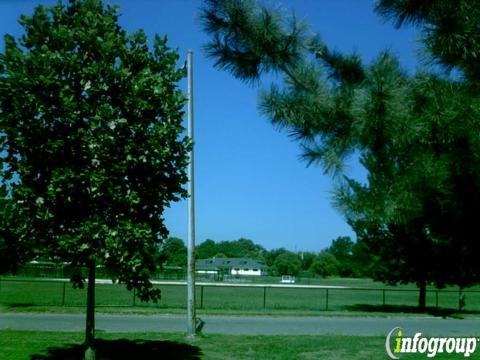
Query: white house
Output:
(230,266)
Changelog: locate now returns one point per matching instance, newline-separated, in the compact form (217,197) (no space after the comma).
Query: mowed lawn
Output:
(16,293)
(23,345)
(34,295)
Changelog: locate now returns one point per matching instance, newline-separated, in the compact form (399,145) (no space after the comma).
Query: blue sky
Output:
(249,179)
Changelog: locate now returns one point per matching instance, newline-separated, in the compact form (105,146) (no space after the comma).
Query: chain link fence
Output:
(15,292)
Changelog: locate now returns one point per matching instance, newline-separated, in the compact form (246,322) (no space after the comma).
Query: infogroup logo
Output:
(396,344)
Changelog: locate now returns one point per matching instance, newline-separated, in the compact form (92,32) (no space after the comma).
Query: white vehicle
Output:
(288,279)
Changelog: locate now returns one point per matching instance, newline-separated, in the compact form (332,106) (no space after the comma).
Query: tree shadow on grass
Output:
(125,349)
(19,305)
(441,312)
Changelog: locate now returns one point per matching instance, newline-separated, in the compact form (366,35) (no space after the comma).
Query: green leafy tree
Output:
(91,124)
(342,249)
(415,134)
(13,246)
(307,259)
(361,260)
(241,248)
(287,263)
(271,255)
(174,252)
(206,249)
(325,264)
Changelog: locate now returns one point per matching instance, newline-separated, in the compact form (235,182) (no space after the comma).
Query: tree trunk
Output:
(422,298)
(90,323)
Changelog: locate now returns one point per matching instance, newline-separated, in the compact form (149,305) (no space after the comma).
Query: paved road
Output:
(267,325)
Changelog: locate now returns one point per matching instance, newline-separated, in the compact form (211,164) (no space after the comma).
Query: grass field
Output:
(23,345)
(365,295)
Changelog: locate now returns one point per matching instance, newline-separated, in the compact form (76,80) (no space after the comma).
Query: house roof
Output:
(217,263)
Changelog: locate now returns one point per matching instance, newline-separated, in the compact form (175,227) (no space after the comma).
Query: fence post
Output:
(383,297)
(201,296)
(134,296)
(436,299)
(326,299)
(63,293)
(461,300)
(264,297)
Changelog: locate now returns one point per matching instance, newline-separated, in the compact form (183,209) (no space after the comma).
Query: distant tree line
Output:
(343,257)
